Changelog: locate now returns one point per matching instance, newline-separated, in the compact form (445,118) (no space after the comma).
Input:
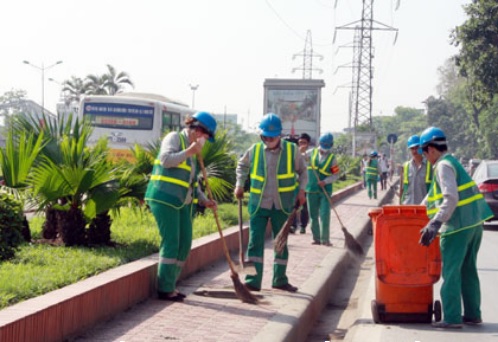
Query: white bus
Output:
(127,119)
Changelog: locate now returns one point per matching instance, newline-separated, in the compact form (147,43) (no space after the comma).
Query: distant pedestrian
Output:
(170,196)
(302,216)
(384,171)
(322,163)
(457,209)
(364,164)
(276,167)
(372,174)
(417,175)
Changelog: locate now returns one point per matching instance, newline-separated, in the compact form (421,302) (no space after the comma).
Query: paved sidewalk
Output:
(280,316)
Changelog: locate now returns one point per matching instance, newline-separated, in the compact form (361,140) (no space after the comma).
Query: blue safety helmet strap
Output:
(270,125)
(432,135)
(326,141)
(207,122)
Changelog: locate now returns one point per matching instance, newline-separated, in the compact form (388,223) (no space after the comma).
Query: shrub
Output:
(11,225)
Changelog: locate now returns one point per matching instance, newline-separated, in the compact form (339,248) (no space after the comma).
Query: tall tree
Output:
(116,82)
(74,88)
(477,59)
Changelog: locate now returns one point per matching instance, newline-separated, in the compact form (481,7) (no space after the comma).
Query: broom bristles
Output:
(241,291)
(283,234)
(351,244)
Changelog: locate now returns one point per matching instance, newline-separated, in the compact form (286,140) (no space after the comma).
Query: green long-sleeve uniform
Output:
(274,176)
(455,200)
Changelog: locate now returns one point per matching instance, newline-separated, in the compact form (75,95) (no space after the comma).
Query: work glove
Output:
(429,232)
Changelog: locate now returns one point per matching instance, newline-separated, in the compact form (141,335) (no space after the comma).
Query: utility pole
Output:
(362,65)
(307,55)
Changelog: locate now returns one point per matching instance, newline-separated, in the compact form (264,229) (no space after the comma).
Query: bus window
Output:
(123,116)
(171,121)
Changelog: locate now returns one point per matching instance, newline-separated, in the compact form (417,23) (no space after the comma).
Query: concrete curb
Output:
(69,311)
(294,321)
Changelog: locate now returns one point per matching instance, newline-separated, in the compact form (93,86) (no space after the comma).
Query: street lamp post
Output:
(193,87)
(42,68)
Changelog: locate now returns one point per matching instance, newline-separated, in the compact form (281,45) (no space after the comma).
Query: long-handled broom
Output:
(351,244)
(247,267)
(283,234)
(240,290)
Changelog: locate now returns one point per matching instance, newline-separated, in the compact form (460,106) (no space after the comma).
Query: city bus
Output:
(127,119)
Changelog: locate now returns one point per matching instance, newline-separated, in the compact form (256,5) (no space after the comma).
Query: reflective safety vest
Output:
(322,170)
(471,211)
(372,172)
(286,177)
(170,186)
(406,178)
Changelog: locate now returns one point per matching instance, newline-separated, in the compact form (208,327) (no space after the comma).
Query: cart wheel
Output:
(437,311)
(375,311)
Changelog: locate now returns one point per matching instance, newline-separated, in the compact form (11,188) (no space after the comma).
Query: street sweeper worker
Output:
(417,174)
(170,195)
(372,174)
(322,163)
(456,210)
(275,167)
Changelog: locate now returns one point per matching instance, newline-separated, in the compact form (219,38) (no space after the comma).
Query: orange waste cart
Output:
(405,270)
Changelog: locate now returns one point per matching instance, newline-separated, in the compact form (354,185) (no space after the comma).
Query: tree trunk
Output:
(72,227)
(99,232)
(49,229)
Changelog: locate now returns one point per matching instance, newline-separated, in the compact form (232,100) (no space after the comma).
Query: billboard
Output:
(297,103)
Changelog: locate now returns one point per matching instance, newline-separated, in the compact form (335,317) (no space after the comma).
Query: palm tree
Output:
(96,85)
(117,82)
(75,88)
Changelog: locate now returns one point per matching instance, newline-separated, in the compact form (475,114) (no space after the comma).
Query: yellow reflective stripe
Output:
(255,191)
(428,173)
(432,211)
(324,168)
(285,176)
(287,188)
(182,165)
(466,186)
(254,175)
(169,180)
(470,200)
(405,173)
(195,201)
(289,157)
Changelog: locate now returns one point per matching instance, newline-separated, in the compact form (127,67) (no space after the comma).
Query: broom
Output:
(240,290)
(283,234)
(351,244)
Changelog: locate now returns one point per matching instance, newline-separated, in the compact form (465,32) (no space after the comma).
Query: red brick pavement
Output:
(202,318)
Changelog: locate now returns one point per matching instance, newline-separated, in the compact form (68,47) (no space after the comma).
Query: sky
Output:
(226,47)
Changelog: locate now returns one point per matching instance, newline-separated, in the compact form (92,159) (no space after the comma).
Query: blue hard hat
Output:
(326,140)
(271,125)
(374,154)
(206,121)
(432,134)
(413,141)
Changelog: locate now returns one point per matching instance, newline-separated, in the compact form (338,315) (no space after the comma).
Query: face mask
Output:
(325,150)
(201,140)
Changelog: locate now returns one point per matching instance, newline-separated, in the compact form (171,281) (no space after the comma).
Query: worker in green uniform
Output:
(417,174)
(322,164)
(170,195)
(276,167)
(372,174)
(457,211)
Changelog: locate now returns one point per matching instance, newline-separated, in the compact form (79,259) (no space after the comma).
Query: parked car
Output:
(486,178)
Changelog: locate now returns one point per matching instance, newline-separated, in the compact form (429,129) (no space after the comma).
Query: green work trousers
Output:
(460,278)
(255,249)
(372,188)
(175,228)
(319,210)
